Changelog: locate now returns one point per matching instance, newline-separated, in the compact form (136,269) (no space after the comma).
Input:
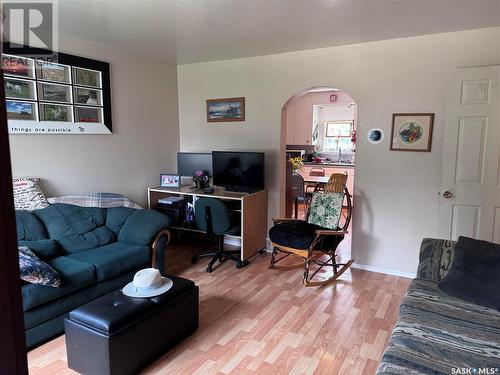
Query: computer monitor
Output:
(190,162)
(238,171)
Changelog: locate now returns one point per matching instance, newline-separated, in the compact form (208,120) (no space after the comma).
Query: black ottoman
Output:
(116,334)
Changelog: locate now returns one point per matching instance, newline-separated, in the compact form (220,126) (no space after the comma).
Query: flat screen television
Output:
(238,171)
(190,162)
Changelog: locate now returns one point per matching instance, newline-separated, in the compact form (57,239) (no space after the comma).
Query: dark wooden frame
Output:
(240,100)
(79,62)
(431,126)
(13,358)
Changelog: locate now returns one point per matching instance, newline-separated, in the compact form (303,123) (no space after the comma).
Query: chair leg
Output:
(296,203)
(306,271)
(273,257)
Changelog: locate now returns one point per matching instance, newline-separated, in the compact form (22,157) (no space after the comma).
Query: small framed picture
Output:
(56,112)
(53,72)
(228,109)
(412,132)
(54,93)
(87,96)
(21,110)
(86,77)
(20,89)
(17,66)
(375,135)
(88,114)
(170,180)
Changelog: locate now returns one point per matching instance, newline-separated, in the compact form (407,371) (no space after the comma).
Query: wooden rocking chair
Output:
(310,241)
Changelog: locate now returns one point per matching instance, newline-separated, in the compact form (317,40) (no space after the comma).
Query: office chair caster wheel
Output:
(209,269)
(194,260)
(241,264)
(261,251)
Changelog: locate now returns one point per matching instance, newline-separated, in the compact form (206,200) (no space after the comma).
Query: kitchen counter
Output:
(330,164)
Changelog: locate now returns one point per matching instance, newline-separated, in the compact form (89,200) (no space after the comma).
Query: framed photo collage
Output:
(74,93)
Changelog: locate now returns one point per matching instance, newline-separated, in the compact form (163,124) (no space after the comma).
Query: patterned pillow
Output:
(27,194)
(326,209)
(34,271)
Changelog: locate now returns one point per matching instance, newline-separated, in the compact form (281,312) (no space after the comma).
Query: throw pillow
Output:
(475,273)
(326,209)
(27,194)
(34,271)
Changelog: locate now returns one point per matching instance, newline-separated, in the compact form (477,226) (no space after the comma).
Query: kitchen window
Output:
(338,135)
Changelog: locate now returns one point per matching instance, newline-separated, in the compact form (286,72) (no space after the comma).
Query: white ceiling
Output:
(187,31)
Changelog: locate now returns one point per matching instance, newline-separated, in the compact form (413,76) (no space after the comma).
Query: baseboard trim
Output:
(387,271)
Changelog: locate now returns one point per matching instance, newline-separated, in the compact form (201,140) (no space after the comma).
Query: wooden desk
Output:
(252,208)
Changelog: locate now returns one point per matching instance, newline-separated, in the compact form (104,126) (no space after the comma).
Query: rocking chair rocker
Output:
(318,235)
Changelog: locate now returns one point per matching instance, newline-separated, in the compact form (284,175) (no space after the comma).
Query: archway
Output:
(317,118)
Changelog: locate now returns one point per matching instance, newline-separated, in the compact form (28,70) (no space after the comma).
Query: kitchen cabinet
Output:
(299,123)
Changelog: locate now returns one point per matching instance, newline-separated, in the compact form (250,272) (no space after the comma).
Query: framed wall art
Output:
(412,132)
(69,96)
(227,109)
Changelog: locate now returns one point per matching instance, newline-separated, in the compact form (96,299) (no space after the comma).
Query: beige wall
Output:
(145,135)
(396,192)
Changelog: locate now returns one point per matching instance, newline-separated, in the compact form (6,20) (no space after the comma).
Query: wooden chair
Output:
(298,192)
(311,241)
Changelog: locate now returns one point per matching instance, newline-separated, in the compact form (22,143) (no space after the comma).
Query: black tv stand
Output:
(241,189)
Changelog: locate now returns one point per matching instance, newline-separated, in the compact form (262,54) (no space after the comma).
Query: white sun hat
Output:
(148,282)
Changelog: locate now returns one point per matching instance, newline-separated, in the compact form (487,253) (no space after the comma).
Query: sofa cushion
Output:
(74,275)
(142,226)
(475,273)
(29,227)
(436,332)
(35,271)
(117,216)
(76,228)
(27,194)
(114,259)
(300,235)
(44,249)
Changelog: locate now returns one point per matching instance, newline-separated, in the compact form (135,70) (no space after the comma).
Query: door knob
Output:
(447,194)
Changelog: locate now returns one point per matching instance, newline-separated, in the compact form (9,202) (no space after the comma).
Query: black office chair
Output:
(214,218)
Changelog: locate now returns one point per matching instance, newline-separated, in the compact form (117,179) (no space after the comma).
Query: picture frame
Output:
(38,74)
(56,112)
(88,114)
(87,77)
(19,89)
(226,110)
(53,72)
(412,132)
(170,180)
(87,96)
(19,110)
(17,66)
(54,93)
(375,135)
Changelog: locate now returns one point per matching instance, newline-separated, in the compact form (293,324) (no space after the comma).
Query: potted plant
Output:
(201,179)
(297,163)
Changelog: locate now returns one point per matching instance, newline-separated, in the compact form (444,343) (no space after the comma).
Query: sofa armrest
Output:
(142,226)
(436,258)
(159,249)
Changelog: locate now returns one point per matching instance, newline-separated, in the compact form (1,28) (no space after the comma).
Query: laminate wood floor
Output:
(261,321)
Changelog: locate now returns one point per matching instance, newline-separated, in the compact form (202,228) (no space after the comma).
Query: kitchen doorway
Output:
(318,125)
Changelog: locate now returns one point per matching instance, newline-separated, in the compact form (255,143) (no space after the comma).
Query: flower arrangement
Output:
(297,163)
(201,179)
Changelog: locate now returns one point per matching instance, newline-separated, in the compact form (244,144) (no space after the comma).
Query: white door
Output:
(470,185)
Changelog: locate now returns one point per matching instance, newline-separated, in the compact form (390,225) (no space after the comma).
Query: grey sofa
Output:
(439,334)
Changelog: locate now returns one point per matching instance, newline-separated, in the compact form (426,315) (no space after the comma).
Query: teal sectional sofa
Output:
(94,250)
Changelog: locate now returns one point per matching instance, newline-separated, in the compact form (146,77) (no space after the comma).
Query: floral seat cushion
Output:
(326,209)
